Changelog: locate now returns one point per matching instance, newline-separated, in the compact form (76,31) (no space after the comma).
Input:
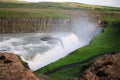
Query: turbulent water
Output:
(41,49)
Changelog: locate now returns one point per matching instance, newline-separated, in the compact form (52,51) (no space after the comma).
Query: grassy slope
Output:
(108,41)
(35,14)
(55,5)
(46,9)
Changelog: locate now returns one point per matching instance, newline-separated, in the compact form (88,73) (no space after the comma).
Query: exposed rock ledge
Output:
(106,67)
(11,68)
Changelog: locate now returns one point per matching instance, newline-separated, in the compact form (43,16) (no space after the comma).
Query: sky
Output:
(115,3)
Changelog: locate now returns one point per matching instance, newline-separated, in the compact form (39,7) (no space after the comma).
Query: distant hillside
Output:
(54,5)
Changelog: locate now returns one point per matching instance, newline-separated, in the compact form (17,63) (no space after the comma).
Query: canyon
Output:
(47,43)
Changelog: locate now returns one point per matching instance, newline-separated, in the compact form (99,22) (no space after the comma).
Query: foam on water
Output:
(56,52)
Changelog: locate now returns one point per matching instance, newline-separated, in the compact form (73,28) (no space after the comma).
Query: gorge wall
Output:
(17,25)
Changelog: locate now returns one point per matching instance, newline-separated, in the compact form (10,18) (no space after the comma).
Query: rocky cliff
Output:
(17,25)
(11,68)
(106,67)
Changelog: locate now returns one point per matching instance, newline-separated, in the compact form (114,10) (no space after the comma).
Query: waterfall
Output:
(41,49)
(68,43)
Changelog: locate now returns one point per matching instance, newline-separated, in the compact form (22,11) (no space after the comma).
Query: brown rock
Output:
(106,67)
(11,68)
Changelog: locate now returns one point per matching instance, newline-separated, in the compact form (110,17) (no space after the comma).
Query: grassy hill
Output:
(47,9)
(55,5)
(27,14)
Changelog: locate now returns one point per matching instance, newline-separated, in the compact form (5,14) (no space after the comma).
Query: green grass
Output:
(55,5)
(35,14)
(110,18)
(69,73)
(108,41)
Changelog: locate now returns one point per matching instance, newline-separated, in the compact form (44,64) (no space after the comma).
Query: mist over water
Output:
(41,49)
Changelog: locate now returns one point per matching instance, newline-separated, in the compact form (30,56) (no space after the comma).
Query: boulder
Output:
(106,67)
(11,68)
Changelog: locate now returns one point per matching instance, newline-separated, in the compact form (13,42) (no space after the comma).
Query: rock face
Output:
(106,67)
(19,25)
(11,68)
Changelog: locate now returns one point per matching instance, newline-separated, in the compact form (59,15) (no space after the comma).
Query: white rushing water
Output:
(41,49)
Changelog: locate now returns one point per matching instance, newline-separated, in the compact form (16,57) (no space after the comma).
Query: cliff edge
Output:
(106,67)
(11,68)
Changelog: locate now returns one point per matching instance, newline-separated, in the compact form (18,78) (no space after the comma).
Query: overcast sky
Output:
(95,2)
